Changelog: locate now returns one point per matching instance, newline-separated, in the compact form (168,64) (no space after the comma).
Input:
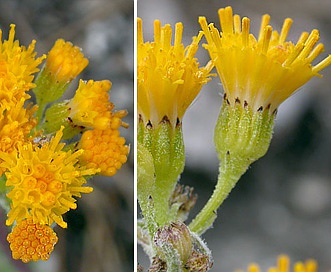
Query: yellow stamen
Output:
(285,30)
(265,21)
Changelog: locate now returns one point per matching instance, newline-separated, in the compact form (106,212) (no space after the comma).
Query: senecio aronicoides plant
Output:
(257,75)
(41,176)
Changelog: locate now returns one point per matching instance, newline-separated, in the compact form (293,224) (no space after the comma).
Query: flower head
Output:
(91,108)
(169,77)
(31,241)
(44,181)
(283,265)
(65,61)
(17,67)
(260,73)
(103,149)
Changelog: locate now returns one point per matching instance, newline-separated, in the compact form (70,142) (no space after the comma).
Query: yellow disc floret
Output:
(260,72)
(91,108)
(44,180)
(65,61)
(31,241)
(169,77)
(103,149)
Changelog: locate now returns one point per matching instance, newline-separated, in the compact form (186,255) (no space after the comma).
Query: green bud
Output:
(176,236)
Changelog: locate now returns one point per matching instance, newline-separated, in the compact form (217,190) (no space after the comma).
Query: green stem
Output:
(230,170)
(164,188)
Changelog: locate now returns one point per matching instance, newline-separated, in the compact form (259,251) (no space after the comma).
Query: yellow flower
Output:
(44,180)
(91,108)
(65,61)
(260,73)
(169,77)
(16,123)
(103,149)
(283,265)
(17,66)
(31,241)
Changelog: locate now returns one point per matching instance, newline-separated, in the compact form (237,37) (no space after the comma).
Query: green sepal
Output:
(145,173)
(56,116)
(47,90)
(168,151)
(242,132)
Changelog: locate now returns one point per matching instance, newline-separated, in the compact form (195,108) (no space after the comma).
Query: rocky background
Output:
(283,203)
(99,237)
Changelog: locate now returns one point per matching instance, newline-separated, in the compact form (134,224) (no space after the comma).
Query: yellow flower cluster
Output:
(32,241)
(91,108)
(17,66)
(65,61)
(283,265)
(260,73)
(103,149)
(42,178)
(169,77)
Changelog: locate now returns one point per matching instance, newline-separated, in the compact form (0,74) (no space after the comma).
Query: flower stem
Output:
(163,190)
(230,170)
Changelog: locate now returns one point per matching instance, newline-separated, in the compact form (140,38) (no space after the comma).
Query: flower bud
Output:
(184,198)
(178,237)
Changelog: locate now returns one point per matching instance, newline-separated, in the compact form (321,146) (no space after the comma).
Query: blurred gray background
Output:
(99,237)
(282,204)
